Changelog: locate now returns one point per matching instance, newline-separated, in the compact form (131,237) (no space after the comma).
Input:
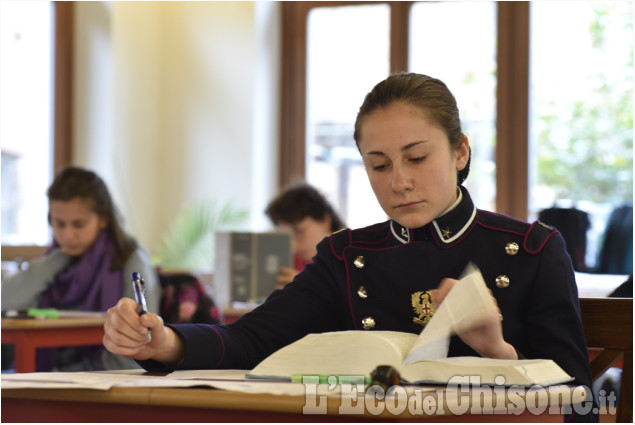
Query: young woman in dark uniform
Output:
(416,156)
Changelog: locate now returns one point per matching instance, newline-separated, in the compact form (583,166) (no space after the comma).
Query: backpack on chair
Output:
(184,299)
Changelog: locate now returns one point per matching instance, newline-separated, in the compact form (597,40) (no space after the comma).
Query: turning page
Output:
(467,303)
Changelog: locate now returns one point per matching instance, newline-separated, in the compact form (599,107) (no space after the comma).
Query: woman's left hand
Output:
(484,337)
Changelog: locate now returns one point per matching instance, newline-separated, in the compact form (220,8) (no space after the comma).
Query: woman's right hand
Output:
(484,337)
(125,334)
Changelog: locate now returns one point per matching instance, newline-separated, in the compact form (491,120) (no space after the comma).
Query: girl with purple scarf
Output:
(87,267)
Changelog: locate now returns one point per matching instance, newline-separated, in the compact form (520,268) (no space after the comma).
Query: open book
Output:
(418,358)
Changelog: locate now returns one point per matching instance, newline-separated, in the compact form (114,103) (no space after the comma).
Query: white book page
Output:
(210,374)
(337,353)
(466,304)
(92,380)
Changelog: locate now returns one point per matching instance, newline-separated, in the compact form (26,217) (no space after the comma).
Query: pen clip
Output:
(139,292)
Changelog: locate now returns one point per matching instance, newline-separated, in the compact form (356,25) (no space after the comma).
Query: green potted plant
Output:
(188,244)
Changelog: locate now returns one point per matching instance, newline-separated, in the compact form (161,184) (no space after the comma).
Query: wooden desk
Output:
(27,335)
(209,405)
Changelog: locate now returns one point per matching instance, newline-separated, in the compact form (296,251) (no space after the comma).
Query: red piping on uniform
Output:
(374,242)
(348,292)
(340,257)
(499,229)
(524,235)
(222,342)
(542,244)
(501,215)
(379,229)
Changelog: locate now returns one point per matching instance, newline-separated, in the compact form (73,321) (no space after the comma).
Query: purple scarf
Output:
(86,283)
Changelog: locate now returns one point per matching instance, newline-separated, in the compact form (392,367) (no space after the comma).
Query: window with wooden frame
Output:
(55,124)
(566,132)
(507,23)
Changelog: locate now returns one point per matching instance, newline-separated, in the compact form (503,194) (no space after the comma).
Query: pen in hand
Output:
(139,292)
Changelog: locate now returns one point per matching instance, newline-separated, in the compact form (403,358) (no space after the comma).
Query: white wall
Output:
(176,102)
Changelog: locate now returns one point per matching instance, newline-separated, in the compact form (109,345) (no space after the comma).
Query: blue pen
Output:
(139,287)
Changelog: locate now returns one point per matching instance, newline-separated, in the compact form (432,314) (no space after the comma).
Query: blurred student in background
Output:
(88,267)
(309,216)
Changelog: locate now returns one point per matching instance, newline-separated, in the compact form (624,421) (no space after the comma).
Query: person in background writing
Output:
(309,216)
(416,157)
(88,267)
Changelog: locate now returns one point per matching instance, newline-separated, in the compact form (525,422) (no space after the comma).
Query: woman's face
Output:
(410,164)
(307,233)
(75,226)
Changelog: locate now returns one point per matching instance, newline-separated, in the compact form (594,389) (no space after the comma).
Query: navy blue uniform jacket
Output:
(540,303)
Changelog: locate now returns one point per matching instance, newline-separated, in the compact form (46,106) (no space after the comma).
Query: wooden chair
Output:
(608,325)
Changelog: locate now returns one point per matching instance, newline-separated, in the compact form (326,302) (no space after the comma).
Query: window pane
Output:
(25,114)
(581,124)
(456,43)
(347,54)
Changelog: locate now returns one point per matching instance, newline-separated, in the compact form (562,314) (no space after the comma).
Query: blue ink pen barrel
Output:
(140,294)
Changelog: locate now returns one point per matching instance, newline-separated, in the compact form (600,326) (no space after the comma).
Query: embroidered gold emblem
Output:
(446,233)
(422,305)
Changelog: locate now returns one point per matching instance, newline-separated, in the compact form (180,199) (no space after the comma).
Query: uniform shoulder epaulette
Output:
(502,223)
(340,240)
(537,236)
(374,234)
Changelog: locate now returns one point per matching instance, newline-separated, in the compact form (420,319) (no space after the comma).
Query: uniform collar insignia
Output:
(448,227)
(402,234)
(456,220)
(443,228)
